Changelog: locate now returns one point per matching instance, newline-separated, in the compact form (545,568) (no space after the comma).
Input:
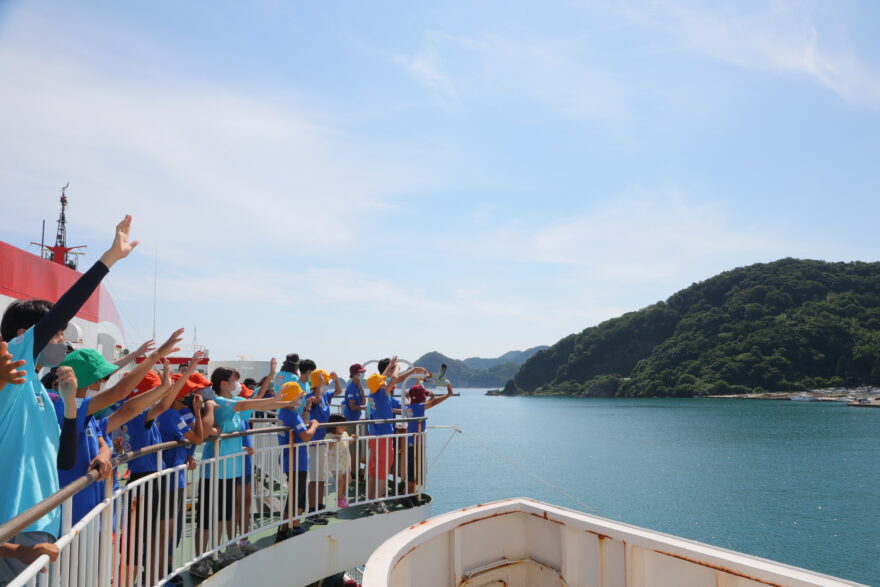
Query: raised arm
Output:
(75,297)
(264,386)
(168,398)
(335,378)
(268,403)
(139,352)
(137,404)
(436,400)
(196,435)
(129,381)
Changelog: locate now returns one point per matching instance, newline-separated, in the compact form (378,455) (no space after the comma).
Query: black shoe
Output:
(284,534)
(317,519)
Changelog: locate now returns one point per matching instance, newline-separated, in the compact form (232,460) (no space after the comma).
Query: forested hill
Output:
(478,372)
(787,325)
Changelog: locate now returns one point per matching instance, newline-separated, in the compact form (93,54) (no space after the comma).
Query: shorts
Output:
(298,482)
(224,493)
(381,456)
(319,455)
(171,504)
(11,568)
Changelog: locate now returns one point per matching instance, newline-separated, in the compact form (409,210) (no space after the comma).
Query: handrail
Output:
(14,526)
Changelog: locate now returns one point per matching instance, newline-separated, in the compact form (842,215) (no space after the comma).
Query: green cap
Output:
(89,366)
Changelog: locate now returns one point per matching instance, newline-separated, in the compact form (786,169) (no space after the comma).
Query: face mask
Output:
(53,354)
(237,389)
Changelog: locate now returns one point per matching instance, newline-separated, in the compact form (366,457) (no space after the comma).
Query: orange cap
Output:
(150,381)
(290,391)
(246,391)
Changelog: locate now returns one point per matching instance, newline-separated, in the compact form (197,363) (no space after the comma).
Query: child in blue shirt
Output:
(319,409)
(297,474)
(29,431)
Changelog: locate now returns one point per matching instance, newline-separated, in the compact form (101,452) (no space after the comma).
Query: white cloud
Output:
(200,166)
(493,68)
(781,35)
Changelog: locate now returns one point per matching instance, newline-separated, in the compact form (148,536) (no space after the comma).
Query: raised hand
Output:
(170,345)
(67,390)
(9,369)
(145,348)
(273,367)
(166,372)
(198,400)
(333,376)
(121,247)
(194,363)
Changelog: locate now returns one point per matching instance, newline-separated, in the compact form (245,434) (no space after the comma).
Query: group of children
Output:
(71,422)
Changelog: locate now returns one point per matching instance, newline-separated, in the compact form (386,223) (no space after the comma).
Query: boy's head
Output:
(90,367)
(223,380)
(21,315)
(339,423)
(383,364)
(306,366)
(356,370)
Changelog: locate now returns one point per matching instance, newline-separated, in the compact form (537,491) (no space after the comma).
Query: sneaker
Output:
(175,580)
(297,530)
(378,507)
(232,554)
(247,548)
(342,503)
(202,569)
(318,519)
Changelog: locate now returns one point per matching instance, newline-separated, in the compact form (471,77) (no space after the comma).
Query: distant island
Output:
(787,325)
(476,371)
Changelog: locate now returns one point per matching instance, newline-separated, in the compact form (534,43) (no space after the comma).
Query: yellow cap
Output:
(290,391)
(375,382)
(319,377)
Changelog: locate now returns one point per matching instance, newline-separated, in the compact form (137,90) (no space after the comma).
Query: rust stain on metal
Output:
(544,517)
(720,568)
(405,554)
(599,535)
(485,518)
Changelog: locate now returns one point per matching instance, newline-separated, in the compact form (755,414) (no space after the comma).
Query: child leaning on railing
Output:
(340,457)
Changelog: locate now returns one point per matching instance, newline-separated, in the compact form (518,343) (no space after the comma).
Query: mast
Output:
(61,253)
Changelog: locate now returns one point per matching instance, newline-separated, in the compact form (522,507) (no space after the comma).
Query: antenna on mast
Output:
(61,253)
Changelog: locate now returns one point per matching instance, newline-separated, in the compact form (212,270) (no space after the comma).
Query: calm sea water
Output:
(795,482)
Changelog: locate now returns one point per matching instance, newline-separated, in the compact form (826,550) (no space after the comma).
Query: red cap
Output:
(246,391)
(195,381)
(150,381)
(355,369)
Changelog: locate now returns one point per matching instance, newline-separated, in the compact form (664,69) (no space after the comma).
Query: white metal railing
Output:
(150,530)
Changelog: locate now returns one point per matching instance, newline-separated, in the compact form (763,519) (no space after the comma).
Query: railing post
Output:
(292,478)
(107,551)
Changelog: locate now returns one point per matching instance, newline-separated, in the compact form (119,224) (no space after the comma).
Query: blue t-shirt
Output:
(86,450)
(137,434)
(352,393)
(415,411)
(228,420)
(29,436)
(382,410)
(295,422)
(173,426)
(321,412)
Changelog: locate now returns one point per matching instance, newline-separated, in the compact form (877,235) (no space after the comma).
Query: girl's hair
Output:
(220,375)
(339,419)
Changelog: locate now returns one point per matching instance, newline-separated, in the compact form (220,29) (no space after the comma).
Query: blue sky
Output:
(355,180)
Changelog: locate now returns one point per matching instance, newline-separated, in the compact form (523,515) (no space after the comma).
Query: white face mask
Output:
(237,389)
(52,354)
